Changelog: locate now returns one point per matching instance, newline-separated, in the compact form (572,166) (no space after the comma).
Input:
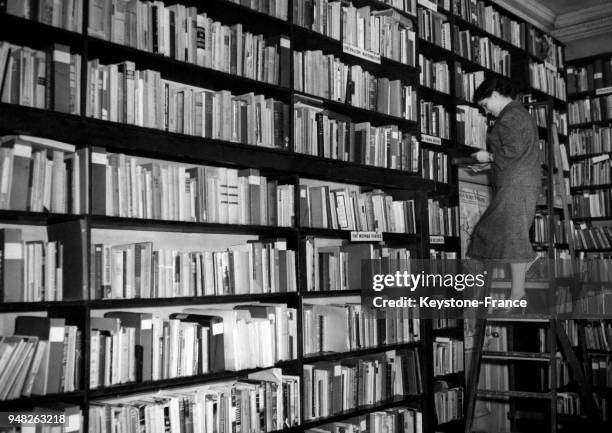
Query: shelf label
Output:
(361,53)
(366,236)
(147,324)
(429,5)
(433,239)
(13,251)
(603,90)
(431,139)
(217,328)
(99,158)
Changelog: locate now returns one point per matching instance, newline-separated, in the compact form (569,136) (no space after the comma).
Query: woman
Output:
(502,233)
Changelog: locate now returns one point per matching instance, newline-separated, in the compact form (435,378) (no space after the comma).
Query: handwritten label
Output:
(431,139)
(603,90)
(429,5)
(366,237)
(433,239)
(361,53)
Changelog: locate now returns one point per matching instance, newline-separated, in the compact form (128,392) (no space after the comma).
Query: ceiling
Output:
(559,7)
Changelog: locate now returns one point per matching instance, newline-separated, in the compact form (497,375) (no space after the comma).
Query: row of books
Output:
(275,8)
(328,134)
(447,356)
(466,83)
(540,114)
(121,93)
(601,367)
(435,120)
(443,220)
(42,175)
(132,187)
(568,403)
(594,75)
(32,271)
(595,267)
(590,172)
(72,421)
(400,420)
(491,20)
(547,80)
(434,74)
(541,224)
(598,335)
(334,264)
(448,402)
(442,262)
(434,28)
(333,387)
(592,204)
(383,32)
(443,318)
(542,46)
(563,163)
(140,270)
(349,209)
(471,127)
(482,51)
(590,109)
(597,238)
(66,15)
(42,357)
(49,79)
(181,33)
(326,76)
(434,166)
(344,327)
(131,347)
(595,300)
(597,139)
(262,401)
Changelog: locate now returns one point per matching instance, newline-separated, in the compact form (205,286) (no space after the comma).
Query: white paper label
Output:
(21,150)
(61,56)
(147,324)
(285,43)
(217,328)
(603,90)
(598,75)
(253,180)
(13,251)
(436,239)
(56,335)
(429,5)
(302,193)
(394,134)
(361,53)
(99,158)
(599,158)
(366,236)
(72,423)
(431,139)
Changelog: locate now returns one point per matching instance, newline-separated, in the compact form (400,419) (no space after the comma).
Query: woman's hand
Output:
(483,156)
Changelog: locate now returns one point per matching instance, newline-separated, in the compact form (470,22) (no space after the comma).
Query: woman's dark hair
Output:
(503,86)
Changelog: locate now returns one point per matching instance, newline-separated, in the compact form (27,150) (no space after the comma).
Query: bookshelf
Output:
(589,81)
(288,32)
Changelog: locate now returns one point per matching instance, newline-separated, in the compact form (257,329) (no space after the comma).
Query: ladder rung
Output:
(526,356)
(518,394)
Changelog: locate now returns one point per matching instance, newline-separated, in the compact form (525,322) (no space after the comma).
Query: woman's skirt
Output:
(502,233)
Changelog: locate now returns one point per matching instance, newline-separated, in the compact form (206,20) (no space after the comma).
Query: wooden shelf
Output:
(334,356)
(42,399)
(332,293)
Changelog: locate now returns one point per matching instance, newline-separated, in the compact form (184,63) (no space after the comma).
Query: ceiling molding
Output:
(583,30)
(584,16)
(532,11)
(585,23)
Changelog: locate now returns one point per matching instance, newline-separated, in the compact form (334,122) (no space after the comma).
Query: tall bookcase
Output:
(281,163)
